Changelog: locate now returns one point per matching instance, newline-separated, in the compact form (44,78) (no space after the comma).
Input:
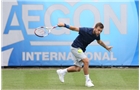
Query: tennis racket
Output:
(43,31)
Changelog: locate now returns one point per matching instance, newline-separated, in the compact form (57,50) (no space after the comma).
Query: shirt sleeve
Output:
(82,30)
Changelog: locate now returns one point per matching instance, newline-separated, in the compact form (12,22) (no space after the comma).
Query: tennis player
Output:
(78,47)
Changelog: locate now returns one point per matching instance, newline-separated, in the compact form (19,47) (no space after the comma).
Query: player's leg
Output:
(80,59)
(61,72)
(88,82)
(86,65)
(76,68)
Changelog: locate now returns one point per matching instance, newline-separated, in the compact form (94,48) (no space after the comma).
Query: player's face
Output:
(98,30)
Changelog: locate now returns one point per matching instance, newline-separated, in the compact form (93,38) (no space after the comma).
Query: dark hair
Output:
(99,24)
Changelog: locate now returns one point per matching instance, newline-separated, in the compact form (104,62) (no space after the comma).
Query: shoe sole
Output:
(89,86)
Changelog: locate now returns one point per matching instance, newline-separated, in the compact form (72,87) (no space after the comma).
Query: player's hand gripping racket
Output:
(43,31)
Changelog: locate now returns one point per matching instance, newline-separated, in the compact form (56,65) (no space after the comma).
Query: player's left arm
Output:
(103,45)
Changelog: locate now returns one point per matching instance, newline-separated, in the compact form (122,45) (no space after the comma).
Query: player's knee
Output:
(85,61)
(78,69)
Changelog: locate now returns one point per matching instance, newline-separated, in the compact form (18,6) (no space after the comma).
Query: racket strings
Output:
(42,32)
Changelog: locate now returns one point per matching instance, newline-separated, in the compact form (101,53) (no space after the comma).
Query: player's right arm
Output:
(69,27)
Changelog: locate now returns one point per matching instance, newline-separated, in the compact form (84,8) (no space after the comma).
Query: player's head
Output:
(98,28)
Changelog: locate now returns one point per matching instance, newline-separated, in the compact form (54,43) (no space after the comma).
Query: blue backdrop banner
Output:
(20,47)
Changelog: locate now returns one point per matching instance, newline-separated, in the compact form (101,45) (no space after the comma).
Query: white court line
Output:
(60,43)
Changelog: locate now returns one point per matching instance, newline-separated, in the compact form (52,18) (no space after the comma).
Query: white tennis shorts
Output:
(78,55)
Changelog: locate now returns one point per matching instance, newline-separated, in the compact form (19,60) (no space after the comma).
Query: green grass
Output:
(47,79)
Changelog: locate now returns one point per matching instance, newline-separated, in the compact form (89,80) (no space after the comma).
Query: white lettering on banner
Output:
(45,56)
(109,14)
(28,56)
(70,57)
(97,55)
(120,24)
(105,56)
(47,20)
(89,55)
(112,56)
(23,56)
(61,56)
(37,55)
(53,56)
(26,18)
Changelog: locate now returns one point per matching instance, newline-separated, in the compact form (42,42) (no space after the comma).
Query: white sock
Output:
(65,70)
(87,77)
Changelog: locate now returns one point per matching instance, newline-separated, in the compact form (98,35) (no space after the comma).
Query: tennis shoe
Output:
(89,83)
(61,75)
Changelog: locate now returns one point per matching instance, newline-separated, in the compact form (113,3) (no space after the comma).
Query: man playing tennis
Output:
(78,47)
